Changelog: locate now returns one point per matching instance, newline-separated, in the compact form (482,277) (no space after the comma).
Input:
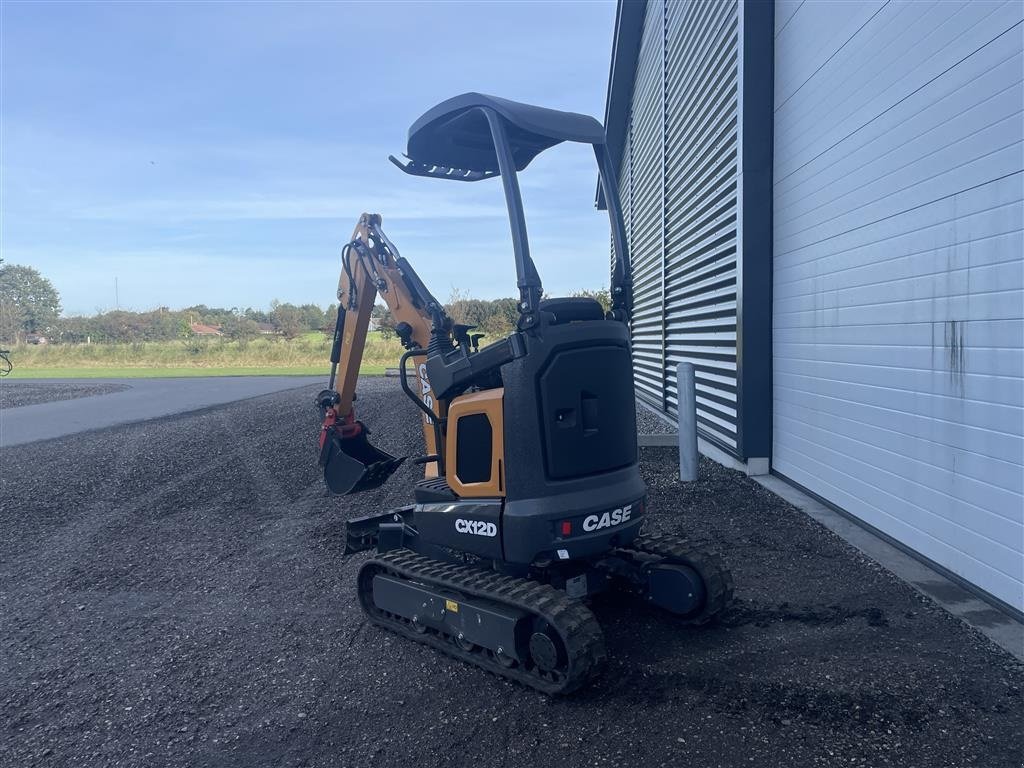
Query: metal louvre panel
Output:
(700,215)
(678,182)
(646,184)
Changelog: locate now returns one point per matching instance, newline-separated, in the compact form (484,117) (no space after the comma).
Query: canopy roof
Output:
(453,139)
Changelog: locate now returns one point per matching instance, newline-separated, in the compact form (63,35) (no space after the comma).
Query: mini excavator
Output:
(531,500)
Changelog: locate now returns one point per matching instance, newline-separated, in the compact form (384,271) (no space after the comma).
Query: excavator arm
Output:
(371,266)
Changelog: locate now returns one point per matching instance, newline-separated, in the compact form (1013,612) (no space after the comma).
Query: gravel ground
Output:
(175,594)
(647,423)
(14,394)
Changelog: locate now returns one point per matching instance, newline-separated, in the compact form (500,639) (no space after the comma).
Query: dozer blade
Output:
(352,465)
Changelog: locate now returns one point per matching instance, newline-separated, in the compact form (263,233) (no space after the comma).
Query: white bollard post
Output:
(686,390)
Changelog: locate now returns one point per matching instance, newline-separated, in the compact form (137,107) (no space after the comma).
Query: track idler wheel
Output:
(546,650)
(691,583)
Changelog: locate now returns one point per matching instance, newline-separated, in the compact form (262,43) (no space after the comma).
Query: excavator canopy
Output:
(473,137)
(454,140)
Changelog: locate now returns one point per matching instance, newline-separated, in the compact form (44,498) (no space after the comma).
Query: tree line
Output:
(30,306)
(164,324)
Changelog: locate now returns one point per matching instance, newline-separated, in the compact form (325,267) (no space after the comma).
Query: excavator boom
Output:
(371,267)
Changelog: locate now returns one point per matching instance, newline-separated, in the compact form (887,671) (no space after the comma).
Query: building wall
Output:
(898,304)
(646,207)
(679,176)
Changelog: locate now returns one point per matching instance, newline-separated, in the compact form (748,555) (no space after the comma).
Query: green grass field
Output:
(165,373)
(303,356)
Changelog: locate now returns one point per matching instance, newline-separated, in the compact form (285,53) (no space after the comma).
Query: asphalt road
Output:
(174,594)
(41,409)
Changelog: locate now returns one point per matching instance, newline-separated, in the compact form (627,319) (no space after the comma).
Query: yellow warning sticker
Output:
(451,605)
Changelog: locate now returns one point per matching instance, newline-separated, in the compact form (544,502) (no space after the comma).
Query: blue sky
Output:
(220,153)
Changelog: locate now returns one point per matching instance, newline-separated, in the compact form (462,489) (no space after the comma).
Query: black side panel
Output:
(572,393)
(468,526)
(580,371)
(587,410)
(485,623)
(473,448)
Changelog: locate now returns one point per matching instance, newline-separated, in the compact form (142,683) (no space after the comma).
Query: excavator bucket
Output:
(352,465)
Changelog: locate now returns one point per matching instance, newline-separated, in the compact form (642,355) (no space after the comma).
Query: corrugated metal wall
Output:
(700,216)
(647,123)
(682,180)
(898,273)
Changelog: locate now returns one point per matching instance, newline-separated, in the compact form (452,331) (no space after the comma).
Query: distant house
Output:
(206,330)
(267,329)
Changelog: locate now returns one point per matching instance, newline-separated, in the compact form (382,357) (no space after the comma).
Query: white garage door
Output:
(899,276)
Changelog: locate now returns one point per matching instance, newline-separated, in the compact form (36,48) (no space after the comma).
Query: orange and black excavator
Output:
(531,500)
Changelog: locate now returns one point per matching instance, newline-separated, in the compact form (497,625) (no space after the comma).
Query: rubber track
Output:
(576,625)
(716,577)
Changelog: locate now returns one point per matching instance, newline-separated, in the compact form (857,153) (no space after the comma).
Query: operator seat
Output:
(571,309)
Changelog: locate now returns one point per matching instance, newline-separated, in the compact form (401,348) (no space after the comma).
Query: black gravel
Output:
(175,594)
(649,423)
(14,394)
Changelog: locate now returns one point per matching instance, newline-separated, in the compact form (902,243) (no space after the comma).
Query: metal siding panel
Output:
(838,479)
(898,317)
(952,226)
(809,43)
(911,112)
(854,89)
(700,212)
(973,105)
(914,481)
(680,177)
(784,10)
(645,237)
(875,408)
